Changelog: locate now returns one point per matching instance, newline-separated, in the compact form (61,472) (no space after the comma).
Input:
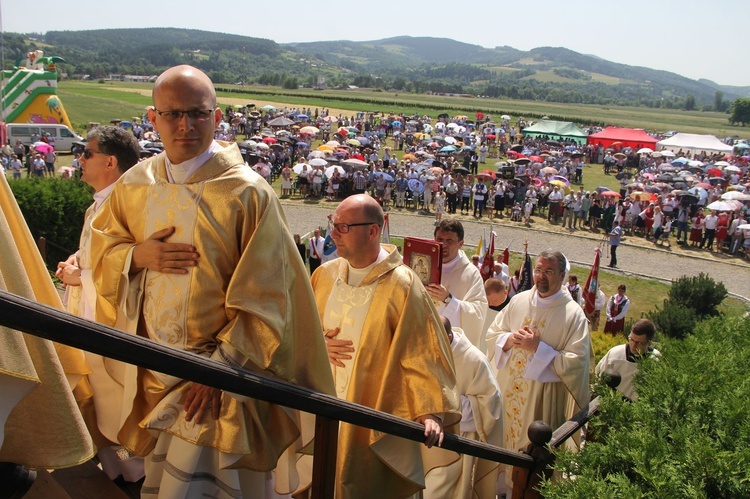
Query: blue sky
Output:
(696,39)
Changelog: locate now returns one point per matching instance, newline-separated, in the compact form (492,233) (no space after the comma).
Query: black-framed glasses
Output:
(638,343)
(193,114)
(343,228)
(87,153)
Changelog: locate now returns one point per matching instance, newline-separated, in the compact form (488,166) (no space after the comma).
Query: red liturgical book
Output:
(424,256)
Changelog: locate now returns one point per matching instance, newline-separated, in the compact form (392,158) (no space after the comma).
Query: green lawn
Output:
(369,100)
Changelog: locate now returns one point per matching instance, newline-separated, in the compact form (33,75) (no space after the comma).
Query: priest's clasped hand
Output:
(525,339)
(338,349)
(156,254)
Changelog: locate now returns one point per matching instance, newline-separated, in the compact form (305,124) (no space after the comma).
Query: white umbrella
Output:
(449,140)
(731,168)
(744,226)
(316,154)
(505,117)
(355,162)
(695,163)
(668,154)
(299,167)
(329,171)
(333,143)
(309,130)
(722,206)
(739,196)
(268,107)
(645,150)
(263,145)
(318,162)
(721,163)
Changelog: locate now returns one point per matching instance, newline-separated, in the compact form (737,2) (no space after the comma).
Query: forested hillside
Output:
(404,64)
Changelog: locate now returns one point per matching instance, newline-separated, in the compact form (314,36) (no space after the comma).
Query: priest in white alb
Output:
(541,347)
(481,419)
(460,295)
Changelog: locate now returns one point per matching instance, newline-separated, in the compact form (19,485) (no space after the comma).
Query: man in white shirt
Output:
(710,223)
(555,197)
(316,244)
(460,295)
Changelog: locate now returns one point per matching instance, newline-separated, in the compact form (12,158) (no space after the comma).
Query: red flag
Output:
(488,265)
(592,285)
(506,256)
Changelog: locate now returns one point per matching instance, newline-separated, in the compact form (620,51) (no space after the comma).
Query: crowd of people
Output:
(190,248)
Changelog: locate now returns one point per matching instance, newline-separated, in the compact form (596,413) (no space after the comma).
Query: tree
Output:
(689,103)
(719,104)
(700,293)
(740,111)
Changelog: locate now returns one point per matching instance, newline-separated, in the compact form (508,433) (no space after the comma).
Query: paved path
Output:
(635,256)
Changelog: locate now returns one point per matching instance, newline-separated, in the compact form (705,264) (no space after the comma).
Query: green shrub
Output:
(54,208)
(673,320)
(687,436)
(701,293)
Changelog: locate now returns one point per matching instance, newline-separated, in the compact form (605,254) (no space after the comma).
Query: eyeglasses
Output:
(344,228)
(87,153)
(199,115)
(547,273)
(638,343)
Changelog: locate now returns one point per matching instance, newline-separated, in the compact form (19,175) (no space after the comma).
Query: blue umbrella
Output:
(416,186)
(396,123)
(680,161)
(448,149)
(302,117)
(387,177)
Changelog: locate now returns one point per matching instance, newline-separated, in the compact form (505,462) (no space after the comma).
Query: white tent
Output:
(694,142)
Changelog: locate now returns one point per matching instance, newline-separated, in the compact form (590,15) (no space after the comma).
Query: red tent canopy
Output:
(633,137)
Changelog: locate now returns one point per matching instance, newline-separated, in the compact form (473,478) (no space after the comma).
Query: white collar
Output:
(449,266)
(101,195)
(356,276)
(542,302)
(179,173)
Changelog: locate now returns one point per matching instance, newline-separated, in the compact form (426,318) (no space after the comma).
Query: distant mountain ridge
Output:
(402,63)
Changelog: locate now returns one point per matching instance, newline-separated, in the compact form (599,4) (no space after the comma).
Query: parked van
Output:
(64,136)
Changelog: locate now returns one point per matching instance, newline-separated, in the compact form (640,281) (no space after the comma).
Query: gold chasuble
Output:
(247,302)
(40,425)
(402,365)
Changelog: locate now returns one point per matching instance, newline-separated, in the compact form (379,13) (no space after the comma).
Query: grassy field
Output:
(367,100)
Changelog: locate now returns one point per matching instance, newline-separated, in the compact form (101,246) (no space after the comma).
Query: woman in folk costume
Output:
(617,307)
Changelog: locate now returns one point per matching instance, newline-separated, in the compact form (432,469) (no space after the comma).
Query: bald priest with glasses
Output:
(193,247)
(388,351)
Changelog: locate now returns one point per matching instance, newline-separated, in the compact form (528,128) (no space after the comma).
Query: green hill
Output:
(404,63)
